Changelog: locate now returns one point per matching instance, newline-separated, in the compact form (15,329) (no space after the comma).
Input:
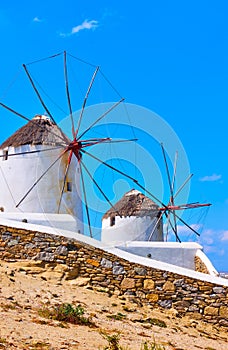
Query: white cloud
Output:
(210,249)
(182,229)
(93,24)
(208,240)
(37,19)
(211,178)
(207,237)
(224,236)
(210,236)
(85,25)
(184,232)
(222,252)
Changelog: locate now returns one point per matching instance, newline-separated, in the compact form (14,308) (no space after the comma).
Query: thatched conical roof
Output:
(38,131)
(133,203)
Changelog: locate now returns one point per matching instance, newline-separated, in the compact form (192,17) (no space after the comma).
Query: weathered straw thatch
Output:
(133,203)
(38,131)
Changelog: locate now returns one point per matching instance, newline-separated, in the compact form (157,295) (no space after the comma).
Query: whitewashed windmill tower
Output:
(134,217)
(41,170)
(24,159)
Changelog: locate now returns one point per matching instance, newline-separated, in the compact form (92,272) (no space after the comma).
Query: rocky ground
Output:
(29,288)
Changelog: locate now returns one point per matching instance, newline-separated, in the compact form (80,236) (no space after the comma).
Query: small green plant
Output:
(129,309)
(2,341)
(40,346)
(157,322)
(152,346)
(11,306)
(153,321)
(67,313)
(113,341)
(117,316)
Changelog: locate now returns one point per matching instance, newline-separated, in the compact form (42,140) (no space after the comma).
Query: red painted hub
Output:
(75,148)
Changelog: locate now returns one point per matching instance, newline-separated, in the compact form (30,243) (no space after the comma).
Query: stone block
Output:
(138,284)
(159,282)
(181,304)
(61,250)
(205,288)
(188,298)
(153,298)
(218,290)
(140,294)
(106,263)
(223,323)
(118,270)
(12,242)
(193,308)
(93,262)
(179,282)
(72,274)
(168,287)
(148,284)
(128,283)
(6,235)
(223,311)
(44,256)
(211,311)
(140,271)
(99,278)
(166,304)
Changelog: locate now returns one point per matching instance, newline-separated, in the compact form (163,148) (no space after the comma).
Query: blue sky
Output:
(170,57)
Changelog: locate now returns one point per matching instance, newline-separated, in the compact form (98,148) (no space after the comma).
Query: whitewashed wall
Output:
(172,253)
(130,228)
(178,254)
(19,173)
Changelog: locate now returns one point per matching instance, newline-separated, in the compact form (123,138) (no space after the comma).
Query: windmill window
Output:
(5,154)
(69,186)
(112,220)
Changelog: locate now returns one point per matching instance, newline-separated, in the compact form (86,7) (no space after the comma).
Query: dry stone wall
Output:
(200,266)
(106,272)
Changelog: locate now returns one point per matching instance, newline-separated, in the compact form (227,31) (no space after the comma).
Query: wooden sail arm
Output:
(184,206)
(85,101)
(99,119)
(91,142)
(68,94)
(38,94)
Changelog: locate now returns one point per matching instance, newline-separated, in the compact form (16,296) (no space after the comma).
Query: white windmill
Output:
(41,168)
(133,218)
